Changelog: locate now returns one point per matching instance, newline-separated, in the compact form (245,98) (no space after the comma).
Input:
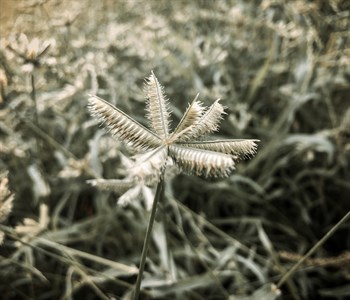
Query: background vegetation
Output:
(283,70)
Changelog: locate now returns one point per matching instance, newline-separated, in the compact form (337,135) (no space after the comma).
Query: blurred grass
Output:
(283,71)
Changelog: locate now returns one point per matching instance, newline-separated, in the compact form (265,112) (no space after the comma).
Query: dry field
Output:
(282,69)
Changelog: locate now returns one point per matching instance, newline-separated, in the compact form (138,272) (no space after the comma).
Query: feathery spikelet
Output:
(121,125)
(202,162)
(191,116)
(157,107)
(240,148)
(208,123)
(129,189)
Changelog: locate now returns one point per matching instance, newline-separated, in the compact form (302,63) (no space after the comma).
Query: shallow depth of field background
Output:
(282,68)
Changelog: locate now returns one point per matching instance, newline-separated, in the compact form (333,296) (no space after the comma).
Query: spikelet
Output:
(129,189)
(157,107)
(202,162)
(208,123)
(191,117)
(121,125)
(241,148)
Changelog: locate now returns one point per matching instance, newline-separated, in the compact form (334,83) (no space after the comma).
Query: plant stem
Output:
(148,238)
(36,116)
(313,249)
(33,95)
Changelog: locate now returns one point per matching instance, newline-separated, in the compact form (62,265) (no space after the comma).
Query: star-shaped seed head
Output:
(186,146)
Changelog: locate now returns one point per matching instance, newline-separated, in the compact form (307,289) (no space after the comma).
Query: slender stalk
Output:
(33,95)
(148,238)
(36,116)
(313,249)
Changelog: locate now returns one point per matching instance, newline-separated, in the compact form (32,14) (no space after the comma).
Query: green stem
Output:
(148,238)
(313,249)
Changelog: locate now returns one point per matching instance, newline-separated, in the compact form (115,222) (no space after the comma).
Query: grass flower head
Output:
(185,146)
